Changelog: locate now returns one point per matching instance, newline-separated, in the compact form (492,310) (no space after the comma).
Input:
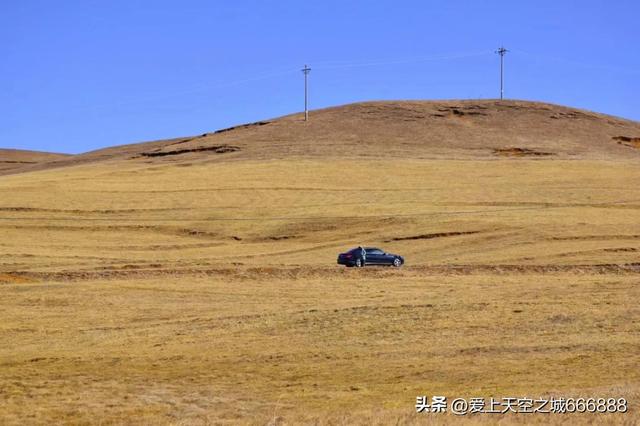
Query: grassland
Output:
(207,293)
(12,160)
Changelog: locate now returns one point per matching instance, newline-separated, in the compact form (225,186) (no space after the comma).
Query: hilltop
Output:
(463,129)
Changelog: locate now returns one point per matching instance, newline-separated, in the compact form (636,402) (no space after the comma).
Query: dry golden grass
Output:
(207,292)
(213,349)
(12,160)
(460,129)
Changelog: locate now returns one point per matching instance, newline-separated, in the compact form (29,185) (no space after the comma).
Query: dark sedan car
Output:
(360,257)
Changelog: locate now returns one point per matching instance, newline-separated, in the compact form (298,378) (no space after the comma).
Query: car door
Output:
(375,256)
(387,258)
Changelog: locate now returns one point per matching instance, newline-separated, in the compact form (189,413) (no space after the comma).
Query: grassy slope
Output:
(203,293)
(470,129)
(301,213)
(15,160)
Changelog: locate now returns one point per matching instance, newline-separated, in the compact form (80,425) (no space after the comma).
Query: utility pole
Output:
(502,51)
(305,71)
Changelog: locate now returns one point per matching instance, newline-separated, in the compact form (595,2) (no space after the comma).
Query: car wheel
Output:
(358,263)
(397,262)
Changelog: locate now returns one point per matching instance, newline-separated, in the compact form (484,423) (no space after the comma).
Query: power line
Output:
(162,95)
(339,65)
(578,63)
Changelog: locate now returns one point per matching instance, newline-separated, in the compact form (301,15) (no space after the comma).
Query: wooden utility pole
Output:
(306,71)
(502,51)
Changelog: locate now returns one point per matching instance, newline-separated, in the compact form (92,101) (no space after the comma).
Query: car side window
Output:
(374,251)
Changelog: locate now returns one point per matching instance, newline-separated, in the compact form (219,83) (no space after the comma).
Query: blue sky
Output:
(80,75)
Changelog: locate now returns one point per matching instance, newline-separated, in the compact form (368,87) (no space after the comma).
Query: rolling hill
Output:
(468,129)
(15,160)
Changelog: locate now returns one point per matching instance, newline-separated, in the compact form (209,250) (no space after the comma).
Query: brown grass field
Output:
(13,160)
(200,287)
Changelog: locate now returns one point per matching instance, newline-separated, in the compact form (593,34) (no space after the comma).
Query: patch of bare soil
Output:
(597,269)
(299,272)
(217,149)
(79,211)
(596,237)
(633,142)
(243,126)
(15,279)
(460,111)
(398,112)
(17,162)
(572,114)
(185,140)
(433,235)
(281,237)
(520,152)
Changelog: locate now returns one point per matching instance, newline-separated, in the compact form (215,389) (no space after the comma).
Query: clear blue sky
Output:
(80,75)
